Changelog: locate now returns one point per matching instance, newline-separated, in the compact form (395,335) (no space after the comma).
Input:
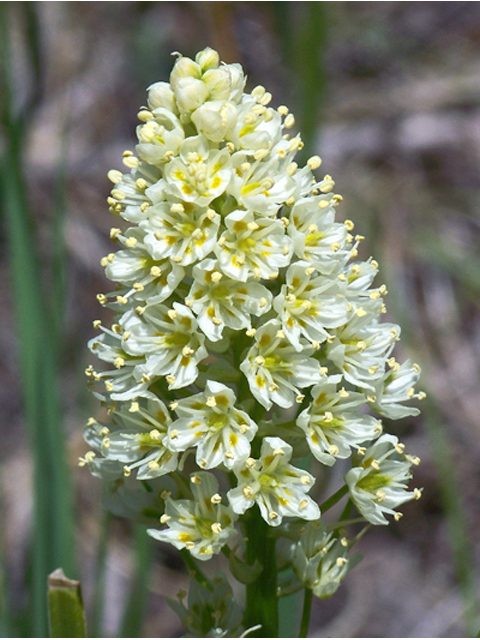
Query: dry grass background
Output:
(393,109)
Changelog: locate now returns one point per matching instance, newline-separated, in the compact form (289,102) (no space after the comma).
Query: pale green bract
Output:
(242,313)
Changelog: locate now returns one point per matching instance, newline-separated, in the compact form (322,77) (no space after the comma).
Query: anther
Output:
(170,379)
(164,519)
(172,314)
(216,498)
(327,184)
(115,176)
(247,491)
(211,402)
(131,162)
(314,162)
(118,194)
(305,480)
(196,479)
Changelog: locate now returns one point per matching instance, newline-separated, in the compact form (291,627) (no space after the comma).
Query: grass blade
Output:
(52,536)
(65,607)
(138,600)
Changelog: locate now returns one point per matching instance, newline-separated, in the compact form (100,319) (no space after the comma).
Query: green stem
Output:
(307,608)
(328,504)
(261,598)
(195,571)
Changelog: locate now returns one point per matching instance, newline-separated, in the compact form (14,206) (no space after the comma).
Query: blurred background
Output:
(388,94)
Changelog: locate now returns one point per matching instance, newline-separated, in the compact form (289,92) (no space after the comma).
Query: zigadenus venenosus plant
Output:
(247,337)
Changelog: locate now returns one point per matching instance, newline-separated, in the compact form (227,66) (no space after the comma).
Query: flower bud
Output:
(184,68)
(214,119)
(161,95)
(190,94)
(207,59)
(237,82)
(218,83)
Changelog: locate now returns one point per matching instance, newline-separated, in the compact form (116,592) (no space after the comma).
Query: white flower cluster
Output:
(240,296)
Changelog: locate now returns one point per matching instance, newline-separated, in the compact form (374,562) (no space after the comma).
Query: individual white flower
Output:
(359,276)
(379,483)
(333,424)
(262,187)
(252,247)
(138,438)
(199,174)
(129,197)
(276,486)
(361,348)
(219,301)
(125,381)
(210,422)
(144,278)
(169,341)
(309,304)
(258,127)
(182,232)
(397,386)
(209,613)
(319,560)
(317,238)
(202,525)
(275,370)
(159,137)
